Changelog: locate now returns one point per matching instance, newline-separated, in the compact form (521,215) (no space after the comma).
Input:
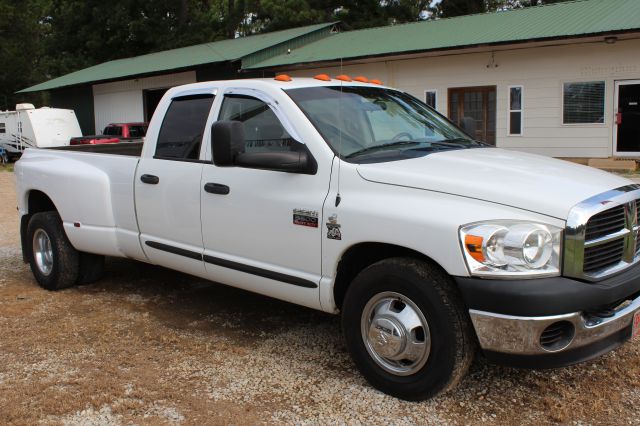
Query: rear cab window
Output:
(183,127)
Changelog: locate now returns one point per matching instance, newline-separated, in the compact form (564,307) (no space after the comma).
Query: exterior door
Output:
(626,129)
(167,187)
(263,232)
(474,110)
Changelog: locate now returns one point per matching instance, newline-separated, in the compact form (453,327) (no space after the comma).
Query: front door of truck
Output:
(167,186)
(263,233)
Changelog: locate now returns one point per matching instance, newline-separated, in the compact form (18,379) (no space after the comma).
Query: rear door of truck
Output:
(167,183)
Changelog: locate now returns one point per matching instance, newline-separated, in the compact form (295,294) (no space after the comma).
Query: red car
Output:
(126,130)
(93,140)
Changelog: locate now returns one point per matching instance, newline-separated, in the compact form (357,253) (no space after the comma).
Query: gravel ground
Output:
(150,346)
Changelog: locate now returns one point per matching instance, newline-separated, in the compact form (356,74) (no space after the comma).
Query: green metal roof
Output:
(560,20)
(225,50)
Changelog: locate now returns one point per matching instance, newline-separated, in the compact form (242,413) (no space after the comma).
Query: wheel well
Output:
(40,202)
(362,255)
(37,202)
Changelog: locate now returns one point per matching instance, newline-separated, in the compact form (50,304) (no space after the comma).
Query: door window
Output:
(474,110)
(182,128)
(263,132)
(628,118)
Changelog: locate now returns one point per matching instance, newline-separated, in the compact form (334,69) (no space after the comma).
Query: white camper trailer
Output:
(28,127)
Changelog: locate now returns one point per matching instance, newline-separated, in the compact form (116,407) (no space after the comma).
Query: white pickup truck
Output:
(353,198)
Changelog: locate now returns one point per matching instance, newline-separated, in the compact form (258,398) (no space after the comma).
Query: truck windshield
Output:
(377,124)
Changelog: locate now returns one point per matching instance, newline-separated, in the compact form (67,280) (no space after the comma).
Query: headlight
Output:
(504,249)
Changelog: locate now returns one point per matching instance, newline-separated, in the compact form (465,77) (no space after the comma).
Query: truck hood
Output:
(531,182)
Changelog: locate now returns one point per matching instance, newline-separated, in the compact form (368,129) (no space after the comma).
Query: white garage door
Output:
(121,102)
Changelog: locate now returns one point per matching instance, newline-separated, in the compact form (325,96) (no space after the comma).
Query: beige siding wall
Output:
(122,101)
(541,71)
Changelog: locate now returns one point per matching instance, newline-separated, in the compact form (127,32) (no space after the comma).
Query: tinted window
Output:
(113,131)
(2,128)
(183,126)
(262,129)
(137,131)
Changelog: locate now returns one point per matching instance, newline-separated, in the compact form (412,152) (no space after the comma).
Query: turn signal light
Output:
(283,77)
(474,247)
(375,82)
(361,79)
(323,77)
(343,77)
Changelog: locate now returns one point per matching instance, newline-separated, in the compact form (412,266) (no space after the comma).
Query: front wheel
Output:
(53,260)
(407,329)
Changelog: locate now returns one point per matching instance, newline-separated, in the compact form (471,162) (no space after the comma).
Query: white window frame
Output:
(521,110)
(435,94)
(604,103)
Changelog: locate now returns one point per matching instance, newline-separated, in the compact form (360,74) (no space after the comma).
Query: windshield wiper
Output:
(383,146)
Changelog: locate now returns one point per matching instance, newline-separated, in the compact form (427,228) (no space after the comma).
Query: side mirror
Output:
(227,141)
(298,160)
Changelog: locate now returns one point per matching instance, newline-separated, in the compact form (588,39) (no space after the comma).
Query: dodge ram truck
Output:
(353,198)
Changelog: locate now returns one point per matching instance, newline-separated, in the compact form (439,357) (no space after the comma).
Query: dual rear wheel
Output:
(55,263)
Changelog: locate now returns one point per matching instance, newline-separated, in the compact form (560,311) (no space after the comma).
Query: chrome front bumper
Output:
(517,335)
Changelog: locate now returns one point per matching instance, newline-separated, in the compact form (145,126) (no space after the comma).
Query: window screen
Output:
(515,110)
(583,102)
(183,126)
(263,132)
(430,98)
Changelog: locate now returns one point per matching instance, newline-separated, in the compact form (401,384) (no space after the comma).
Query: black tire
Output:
(65,260)
(432,291)
(91,268)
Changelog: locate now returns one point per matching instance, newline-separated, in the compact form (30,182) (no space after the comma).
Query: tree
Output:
(21,32)
(451,8)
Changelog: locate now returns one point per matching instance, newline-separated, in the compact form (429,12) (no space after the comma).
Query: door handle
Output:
(150,179)
(216,188)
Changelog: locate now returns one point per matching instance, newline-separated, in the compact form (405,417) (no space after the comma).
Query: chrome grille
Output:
(601,237)
(605,223)
(603,256)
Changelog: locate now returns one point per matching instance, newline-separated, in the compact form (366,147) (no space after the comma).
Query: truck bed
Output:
(132,149)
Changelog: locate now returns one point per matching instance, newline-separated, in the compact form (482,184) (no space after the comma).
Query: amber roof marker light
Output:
(322,77)
(378,82)
(344,77)
(282,77)
(361,79)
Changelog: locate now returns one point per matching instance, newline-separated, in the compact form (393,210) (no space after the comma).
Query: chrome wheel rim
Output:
(42,251)
(395,333)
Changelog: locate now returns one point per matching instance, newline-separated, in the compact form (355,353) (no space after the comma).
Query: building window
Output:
(583,103)
(3,129)
(430,98)
(515,110)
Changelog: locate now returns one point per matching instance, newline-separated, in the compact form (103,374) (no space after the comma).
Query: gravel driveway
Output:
(150,346)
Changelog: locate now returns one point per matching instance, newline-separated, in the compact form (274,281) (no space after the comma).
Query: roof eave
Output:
(444,51)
